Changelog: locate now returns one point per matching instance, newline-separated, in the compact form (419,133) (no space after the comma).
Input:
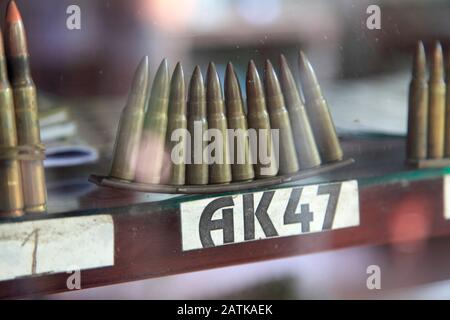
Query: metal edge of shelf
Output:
(154,249)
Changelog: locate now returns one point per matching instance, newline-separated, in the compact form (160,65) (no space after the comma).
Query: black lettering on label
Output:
(333,190)
(305,217)
(260,214)
(226,223)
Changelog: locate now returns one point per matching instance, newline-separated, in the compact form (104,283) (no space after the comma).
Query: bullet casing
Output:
(129,132)
(436,105)
(258,119)
(197,172)
(319,114)
(177,120)
(242,167)
(220,168)
(279,120)
(152,148)
(11,201)
(307,151)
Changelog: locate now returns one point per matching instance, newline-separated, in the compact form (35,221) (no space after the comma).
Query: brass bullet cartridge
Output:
(418,107)
(11,199)
(307,151)
(126,149)
(262,147)
(26,111)
(318,113)
(447,108)
(242,167)
(220,168)
(152,148)
(436,105)
(177,120)
(279,120)
(197,169)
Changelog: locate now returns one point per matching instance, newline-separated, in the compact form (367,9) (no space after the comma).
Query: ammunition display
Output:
(19,139)
(214,146)
(428,143)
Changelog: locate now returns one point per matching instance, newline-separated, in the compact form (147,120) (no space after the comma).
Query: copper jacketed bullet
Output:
(177,126)
(11,198)
(259,126)
(220,167)
(418,107)
(242,167)
(307,151)
(126,149)
(26,110)
(152,148)
(436,105)
(318,113)
(279,120)
(197,168)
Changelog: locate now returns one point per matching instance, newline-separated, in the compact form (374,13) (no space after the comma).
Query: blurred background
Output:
(83,77)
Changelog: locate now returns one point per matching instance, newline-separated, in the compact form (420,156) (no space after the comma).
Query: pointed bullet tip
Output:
(12,13)
(283,60)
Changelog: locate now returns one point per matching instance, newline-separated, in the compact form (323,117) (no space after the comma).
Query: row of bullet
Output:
(22,178)
(429,107)
(307,137)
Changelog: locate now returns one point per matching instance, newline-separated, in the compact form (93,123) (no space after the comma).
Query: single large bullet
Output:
(436,105)
(259,126)
(126,149)
(307,151)
(26,110)
(177,127)
(220,168)
(242,167)
(318,113)
(279,120)
(152,148)
(197,169)
(11,198)
(418,107)
(447,108)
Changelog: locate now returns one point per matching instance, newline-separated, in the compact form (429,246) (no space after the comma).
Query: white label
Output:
(56,245)
(447,197)
(277,213)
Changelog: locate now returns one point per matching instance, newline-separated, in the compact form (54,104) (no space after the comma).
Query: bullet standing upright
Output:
(436,105)
(129,132)
(26,111)
(11,198)
(152,148)
(258,121)
(220,168)
(318,113)
(242,167)
(418,107)
(447,107)
(279,120)
(307,151)
(197,169)
(177,120)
